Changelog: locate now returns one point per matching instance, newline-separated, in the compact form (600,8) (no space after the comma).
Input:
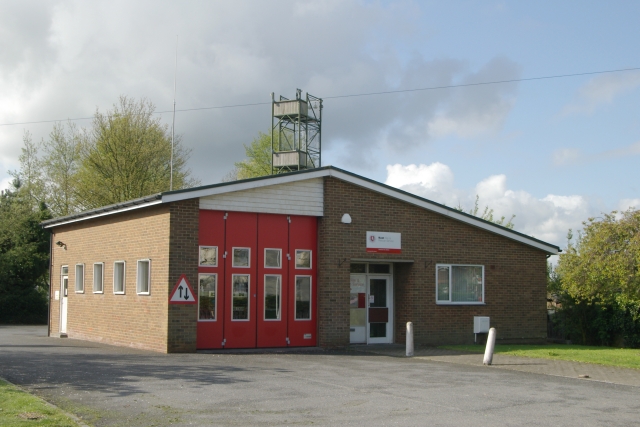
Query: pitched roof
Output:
(326,171)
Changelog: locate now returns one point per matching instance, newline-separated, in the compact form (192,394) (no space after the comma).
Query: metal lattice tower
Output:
(295,133)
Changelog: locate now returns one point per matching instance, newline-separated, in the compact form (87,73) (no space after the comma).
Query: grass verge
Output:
(19,408)
(620,357)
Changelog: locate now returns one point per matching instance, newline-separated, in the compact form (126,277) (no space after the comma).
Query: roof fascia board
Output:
(284,179)
(441,210)
(97,215)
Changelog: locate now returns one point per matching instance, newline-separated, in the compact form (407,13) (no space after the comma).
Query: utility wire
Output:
(355,95)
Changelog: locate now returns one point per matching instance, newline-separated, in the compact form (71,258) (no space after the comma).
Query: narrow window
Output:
(208,256)
(207,296)
(379,268)
(241,257)
(272,290)
(443,283)
(80,278)
(240,297)
(272,258)
(98,277)
(64,273)
(303,297)
(118,277)
(143,277)
(303,258)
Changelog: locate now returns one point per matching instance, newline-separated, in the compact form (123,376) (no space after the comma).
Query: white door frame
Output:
(389,338)
(64,302)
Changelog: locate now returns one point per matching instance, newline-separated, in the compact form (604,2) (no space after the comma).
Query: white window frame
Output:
(101,291)
(449,302)
(215,289)
(124,277)
(148,292)
(233,258)
(200,258)
(62,276)
(75,278)
(248,297)
(279,306)
(279,258)
(295,259)
(295,295)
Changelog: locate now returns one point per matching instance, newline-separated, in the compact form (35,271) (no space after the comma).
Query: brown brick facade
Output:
(128,320)
(515,274)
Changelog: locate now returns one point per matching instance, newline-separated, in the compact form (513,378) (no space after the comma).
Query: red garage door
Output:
(261,292)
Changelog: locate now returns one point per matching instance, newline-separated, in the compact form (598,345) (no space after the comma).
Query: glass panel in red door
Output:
(302,298)
(210,279)
(240,280)
(273,239)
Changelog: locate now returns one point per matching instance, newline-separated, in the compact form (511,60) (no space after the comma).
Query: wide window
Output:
(303,297)
(272,291)
(459,284)
(143,279)
(207,296)
(98,277)
(118,277)
(80,278)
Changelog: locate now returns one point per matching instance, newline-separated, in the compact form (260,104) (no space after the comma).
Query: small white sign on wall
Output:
(378,241)
(56,296)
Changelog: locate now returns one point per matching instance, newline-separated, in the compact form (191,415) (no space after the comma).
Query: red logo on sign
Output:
(372,238)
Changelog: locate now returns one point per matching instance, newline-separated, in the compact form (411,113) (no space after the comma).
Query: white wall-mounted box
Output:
(481,325)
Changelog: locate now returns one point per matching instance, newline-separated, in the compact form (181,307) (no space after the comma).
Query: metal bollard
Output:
(491,343)
(409,339)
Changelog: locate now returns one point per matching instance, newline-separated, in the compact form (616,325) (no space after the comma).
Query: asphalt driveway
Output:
(110,386)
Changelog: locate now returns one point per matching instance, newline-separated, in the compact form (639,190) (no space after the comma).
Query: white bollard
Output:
(491,343)
(409,339)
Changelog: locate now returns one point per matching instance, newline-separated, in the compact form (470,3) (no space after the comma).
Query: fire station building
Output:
(321,257)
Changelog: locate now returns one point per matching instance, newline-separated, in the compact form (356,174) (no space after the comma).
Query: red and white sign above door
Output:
(182,293)
(378,241)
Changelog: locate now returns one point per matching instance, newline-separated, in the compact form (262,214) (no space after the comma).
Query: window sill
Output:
(460,303)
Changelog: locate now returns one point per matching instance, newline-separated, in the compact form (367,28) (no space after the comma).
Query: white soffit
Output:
(304,197)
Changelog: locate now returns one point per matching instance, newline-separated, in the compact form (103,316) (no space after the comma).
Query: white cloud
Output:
(548,218)
(628,203)
(569,156)
(602,90)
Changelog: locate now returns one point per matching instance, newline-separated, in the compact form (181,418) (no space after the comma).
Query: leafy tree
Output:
(24,255)
(258,161)
(126,154)
(603,263)
(487,215)
(30,176)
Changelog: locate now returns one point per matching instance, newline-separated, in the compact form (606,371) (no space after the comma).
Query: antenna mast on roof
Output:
(295,133)
(173,125)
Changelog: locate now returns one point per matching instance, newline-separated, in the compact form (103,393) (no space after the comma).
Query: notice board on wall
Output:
(379,241)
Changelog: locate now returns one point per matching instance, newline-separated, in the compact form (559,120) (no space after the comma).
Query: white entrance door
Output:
(64,287)
(379,303)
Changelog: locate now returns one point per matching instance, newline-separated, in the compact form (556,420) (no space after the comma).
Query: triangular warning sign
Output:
(182,293)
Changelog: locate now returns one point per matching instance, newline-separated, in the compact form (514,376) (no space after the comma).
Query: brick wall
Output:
(515,274)
(183,259)
(130,319)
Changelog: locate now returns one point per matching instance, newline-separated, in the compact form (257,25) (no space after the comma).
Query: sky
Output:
(553,152)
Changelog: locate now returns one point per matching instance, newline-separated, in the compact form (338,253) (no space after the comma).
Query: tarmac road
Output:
(112,386)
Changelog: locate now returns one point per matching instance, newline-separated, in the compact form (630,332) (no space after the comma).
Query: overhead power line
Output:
(355,95)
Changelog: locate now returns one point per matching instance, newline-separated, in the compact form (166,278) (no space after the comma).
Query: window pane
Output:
(79,278)
(379,268)
(65,270)
(240,301)
(118,277)
(208,256)
(97,277)
(303,259)
(443,283)
(466,283)
(303,297)
(241,257)
(272,297)
(358,268)
(207,297)
(143,277)
(272,258)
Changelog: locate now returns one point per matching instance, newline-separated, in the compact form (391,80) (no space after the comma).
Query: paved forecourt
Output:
(119,386)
